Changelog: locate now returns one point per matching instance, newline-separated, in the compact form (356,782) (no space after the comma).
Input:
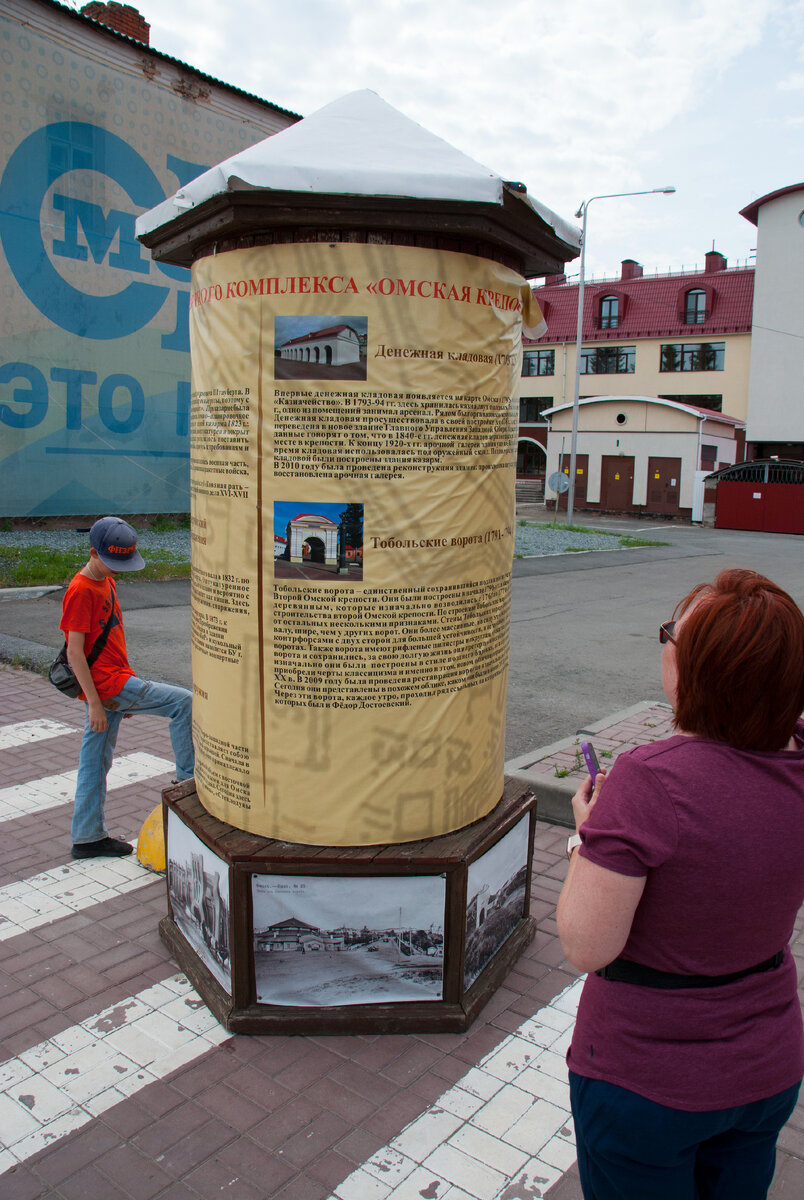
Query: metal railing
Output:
(763,471)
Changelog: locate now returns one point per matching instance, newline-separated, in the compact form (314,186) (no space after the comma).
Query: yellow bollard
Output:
(151,842)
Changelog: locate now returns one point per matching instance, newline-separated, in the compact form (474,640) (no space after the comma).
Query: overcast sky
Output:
(574,99)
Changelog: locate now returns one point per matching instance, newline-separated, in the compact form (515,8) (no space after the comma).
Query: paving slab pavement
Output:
(554,772)
(115,1081)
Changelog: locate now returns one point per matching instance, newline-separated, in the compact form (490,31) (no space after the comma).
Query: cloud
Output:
(572,100)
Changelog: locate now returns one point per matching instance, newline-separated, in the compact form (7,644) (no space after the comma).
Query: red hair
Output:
(740,662)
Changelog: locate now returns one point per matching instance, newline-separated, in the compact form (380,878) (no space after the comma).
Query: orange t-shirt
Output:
(85,609)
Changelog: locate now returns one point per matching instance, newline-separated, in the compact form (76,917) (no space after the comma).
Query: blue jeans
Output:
(630,1148)
(97,749)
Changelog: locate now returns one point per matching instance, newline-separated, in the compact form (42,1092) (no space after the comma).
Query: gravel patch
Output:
(530,541)
(534,543)
(176,542)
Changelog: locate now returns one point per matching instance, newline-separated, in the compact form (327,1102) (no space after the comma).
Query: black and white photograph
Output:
(495,893)
(199,895)
(320,347)
(333,940)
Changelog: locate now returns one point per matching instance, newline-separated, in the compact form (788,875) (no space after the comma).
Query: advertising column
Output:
(353,441)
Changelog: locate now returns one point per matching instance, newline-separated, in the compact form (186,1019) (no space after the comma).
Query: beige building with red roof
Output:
(683,337)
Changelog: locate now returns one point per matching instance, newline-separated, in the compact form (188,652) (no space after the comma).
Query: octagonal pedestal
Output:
(284,938)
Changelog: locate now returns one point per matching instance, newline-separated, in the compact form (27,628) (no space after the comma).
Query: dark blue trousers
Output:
(630,1148)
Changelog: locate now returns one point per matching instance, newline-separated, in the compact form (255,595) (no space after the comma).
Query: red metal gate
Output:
(766,507)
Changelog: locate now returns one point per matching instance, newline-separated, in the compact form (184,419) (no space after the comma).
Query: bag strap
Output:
(100,641)
(104,634)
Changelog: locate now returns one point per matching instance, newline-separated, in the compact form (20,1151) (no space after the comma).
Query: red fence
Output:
(767,507)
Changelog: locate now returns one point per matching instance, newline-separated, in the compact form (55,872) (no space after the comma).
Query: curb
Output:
(36,657)
(554,794)
(33,656)
(29,593)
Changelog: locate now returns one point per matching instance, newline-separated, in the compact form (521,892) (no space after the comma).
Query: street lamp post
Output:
(582,211)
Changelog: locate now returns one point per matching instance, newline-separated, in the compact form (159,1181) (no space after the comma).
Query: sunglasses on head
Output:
(666,631)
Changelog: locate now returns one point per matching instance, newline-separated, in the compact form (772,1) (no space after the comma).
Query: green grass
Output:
(562,527)
(37,566)
(627,541)
(623,539)
(562,772)
(168,524)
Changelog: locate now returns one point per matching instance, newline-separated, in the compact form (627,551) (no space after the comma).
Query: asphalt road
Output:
(584,627)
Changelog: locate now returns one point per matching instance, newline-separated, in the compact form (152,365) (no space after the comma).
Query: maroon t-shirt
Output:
(719,834)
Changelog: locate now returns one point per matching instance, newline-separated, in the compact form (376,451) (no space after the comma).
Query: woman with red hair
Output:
(685,879)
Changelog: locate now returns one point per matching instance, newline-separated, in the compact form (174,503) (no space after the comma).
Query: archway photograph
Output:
(314,541)
(313,348)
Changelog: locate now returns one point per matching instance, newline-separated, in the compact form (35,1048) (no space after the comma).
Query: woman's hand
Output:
(586,798)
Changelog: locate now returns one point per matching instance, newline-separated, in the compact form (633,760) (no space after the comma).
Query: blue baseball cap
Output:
(116,544)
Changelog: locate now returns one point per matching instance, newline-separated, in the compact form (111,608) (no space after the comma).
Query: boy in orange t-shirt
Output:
(110,687)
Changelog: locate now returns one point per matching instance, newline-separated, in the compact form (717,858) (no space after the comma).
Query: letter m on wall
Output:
(99,232)
(93,233)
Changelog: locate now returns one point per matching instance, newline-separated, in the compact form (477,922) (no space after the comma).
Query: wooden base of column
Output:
(430,929)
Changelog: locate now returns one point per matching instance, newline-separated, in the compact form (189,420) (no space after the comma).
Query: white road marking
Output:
(504,1130)
(26,732)
(66,889)
(52,790)
(493,1131)
(61,1084)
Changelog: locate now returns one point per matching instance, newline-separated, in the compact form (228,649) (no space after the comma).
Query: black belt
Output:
(622,970)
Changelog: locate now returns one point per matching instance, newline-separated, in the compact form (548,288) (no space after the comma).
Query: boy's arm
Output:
(78,661)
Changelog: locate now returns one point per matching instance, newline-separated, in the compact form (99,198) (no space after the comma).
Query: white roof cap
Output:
(357,145)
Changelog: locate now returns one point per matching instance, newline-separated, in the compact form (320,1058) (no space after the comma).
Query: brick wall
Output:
(122,17)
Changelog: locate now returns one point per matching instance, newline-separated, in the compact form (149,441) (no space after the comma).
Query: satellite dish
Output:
(558,482)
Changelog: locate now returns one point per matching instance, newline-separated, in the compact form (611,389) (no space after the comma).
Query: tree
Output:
(704,357)
(670,359)
(352,517)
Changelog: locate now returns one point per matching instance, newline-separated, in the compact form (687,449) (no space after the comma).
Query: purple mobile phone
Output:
(590,758)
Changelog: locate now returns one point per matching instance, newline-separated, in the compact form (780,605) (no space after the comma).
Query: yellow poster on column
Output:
(352,474)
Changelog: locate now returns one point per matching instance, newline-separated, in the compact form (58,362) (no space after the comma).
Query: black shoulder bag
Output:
(61,674)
